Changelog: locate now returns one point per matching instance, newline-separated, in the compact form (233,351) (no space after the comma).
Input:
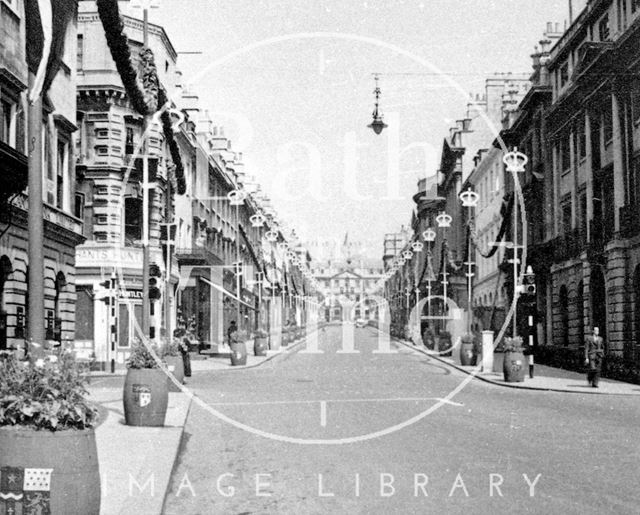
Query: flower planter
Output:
(260,346)
(444,343)
(238,354)
(66,465)
(467,351)
(175,367)
(145,397)
(513,366)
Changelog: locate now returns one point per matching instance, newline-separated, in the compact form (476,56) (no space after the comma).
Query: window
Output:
(566,217)
(564,315)
(634,88)
(129,146)
(132,219)
(61,167)
(582,139)
(565,153)
(80,52)
(564,74)
(635,4)
(78,208)
(84,312)
(8,127)
(603,28)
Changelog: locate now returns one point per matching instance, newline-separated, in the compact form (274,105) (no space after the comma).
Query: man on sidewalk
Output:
(593,354)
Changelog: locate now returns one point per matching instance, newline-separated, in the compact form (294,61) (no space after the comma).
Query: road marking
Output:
(396,399)
(323,413)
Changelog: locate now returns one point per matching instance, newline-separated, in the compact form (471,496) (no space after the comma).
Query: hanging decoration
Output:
(377,124)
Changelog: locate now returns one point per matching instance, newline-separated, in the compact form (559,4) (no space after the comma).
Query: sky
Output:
(292,82)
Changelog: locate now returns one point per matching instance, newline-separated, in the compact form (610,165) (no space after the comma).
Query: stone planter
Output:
(175,367)
(67,464)
(513,367)
(467,351)
(145,397)
(260,346)
(238,354)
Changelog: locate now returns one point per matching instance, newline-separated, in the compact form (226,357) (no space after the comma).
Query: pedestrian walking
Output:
(593,354)
(233,328)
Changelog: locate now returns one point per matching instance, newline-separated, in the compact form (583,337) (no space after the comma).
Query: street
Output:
(320,436)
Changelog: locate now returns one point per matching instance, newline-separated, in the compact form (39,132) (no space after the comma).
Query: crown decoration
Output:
(515,160)
(469,198)
(271,236)
(417,246)
(283,246)
(257,220)
(429,235)
(444,220)
(237,197)
(407,255)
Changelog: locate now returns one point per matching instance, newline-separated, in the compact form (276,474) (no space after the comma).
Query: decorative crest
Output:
(257,220)
(236,197)
(417,246)
(429,235)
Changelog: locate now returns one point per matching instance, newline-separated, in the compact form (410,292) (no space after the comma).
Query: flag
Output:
(25,491)
(46,26)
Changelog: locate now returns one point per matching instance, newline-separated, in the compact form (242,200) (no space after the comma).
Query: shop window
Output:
(5,271)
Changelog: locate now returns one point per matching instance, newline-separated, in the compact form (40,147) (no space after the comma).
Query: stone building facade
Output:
(62,227)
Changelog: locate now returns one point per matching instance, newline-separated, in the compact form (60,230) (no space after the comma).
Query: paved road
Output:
(580,452)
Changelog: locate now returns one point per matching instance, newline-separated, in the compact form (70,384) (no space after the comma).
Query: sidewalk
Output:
(136,462)
(545,378)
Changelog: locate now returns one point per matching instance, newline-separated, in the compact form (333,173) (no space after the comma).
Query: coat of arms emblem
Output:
(142,395)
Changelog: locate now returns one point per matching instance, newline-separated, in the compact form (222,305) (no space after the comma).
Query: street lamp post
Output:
(469,200)
(515,162)
(429,236)
(444,221)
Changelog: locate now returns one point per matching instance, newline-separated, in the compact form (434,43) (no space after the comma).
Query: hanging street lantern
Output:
(377,124)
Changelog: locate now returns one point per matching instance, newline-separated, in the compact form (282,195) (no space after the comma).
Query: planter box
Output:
(70,482)
(145,397)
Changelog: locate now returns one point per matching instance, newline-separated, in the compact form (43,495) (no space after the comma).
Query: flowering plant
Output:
(513,344)
(142,357)
(46,394)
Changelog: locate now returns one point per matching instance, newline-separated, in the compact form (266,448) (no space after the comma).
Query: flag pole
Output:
(35,309)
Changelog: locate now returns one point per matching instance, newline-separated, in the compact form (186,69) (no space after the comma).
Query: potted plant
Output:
(238,348)
(513,365)
(171,354)
(467,350)
(260,343)
(145,387)
(46,430)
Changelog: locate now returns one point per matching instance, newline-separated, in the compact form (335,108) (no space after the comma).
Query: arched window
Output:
(563,301)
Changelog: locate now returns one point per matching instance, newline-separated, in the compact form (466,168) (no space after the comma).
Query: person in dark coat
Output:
(593,354)
(233,328)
